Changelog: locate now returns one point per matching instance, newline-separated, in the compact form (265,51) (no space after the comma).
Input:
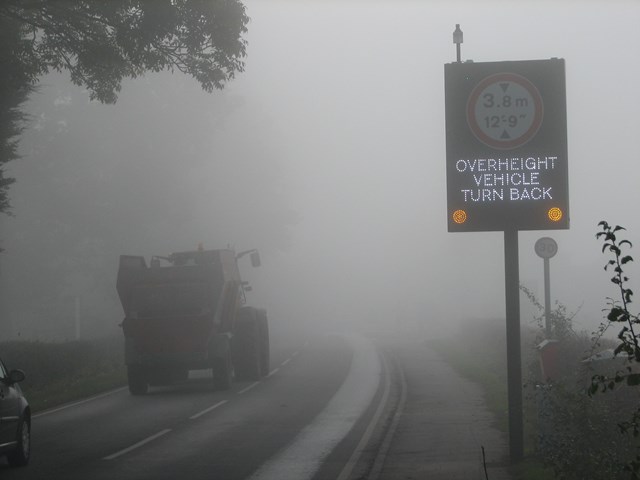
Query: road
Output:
(190,431)
(337,407)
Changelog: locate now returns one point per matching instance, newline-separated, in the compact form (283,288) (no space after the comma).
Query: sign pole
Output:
(547,299)
(514,361)
(507,170)
(546,248)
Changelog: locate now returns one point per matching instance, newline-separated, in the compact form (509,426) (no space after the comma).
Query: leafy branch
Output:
(100,43)
(618,311)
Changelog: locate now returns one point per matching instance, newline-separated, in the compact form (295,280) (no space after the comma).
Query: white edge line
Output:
(246,389)
(295,354)
(273,372)
(207,410)
(378,463)
(355,456)
(75,404)
(138,445)
(285,362)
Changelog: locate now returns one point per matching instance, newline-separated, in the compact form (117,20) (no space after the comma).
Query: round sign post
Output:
(546,248)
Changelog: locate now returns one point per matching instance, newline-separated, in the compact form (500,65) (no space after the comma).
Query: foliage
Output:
(628,348)
(619,310)
(560,319)
(15,87)
(101,43)
(577,436)
(181,171)
(61,372)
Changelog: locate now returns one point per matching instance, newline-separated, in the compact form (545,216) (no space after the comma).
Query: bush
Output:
(582,435)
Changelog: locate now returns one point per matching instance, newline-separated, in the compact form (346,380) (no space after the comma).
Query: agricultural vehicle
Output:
(187,311)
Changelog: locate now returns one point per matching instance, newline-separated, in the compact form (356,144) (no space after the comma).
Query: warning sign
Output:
(506,146)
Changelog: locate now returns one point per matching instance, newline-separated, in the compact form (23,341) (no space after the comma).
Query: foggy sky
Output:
(341,110)
(357,90)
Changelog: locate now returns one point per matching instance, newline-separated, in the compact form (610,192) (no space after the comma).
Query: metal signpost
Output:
(546,248)
(507,170)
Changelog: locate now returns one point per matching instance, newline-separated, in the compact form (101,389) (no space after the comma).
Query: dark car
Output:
(15,418)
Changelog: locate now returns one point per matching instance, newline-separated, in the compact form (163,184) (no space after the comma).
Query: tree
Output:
(101,43)
(15,86)
(153,174)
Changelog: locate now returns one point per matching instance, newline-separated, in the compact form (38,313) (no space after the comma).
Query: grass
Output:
(531,469)
(58,373)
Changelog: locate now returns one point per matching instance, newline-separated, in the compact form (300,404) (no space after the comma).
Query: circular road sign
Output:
(546,247)
(505,111)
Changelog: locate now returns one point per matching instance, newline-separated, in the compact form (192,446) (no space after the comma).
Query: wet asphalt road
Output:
(189,431)
(419,419)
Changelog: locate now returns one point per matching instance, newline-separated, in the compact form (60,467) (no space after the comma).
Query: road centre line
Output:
(273,372)
(138,445)
(285,362)
(75,404)
(207,410)
(246,389)
(295,354)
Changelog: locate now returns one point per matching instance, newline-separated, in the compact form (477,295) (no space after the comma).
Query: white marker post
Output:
(546,248)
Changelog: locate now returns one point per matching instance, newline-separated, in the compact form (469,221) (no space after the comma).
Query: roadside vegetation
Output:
(57,373)
(582,418)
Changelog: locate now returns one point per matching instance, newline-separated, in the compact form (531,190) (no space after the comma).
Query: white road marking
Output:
(295,354)
(138,445)
(273,372)
(285,362)
(75,404)
(304,456)
(207,410)
(375,471)
(246,389)
(362,444)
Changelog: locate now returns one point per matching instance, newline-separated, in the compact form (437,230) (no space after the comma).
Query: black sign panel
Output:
(506,126)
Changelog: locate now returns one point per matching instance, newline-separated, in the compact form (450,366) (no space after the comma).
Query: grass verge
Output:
(58,373)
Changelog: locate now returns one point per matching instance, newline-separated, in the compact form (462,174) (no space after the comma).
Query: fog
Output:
(328,155)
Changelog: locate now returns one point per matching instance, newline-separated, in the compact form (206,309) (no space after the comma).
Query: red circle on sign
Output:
(522,138)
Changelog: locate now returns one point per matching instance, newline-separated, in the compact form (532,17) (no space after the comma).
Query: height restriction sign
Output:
(506,146)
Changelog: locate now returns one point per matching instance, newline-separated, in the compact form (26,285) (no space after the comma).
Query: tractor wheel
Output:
(222,373)
(247,345)
(138,382)
(265,354)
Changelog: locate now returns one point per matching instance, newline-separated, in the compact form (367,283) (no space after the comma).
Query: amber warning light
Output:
(459,216)
(555,214)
